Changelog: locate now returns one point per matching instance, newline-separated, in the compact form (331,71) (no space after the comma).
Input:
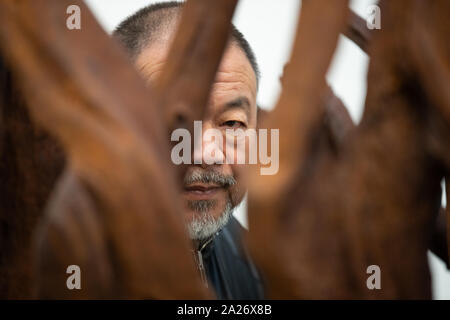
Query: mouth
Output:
(201,190)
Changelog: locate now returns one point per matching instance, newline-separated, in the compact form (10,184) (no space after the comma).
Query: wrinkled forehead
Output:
(234,73)
(236,67)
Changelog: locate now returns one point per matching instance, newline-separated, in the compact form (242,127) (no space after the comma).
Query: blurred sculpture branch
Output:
(345,197)
(374,203)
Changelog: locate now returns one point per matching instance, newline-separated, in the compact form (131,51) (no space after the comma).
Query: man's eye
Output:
(234,124)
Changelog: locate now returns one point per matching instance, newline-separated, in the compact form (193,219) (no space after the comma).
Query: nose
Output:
(208,146)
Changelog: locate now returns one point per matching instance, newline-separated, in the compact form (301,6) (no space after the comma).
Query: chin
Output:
(191,215)
(203,224)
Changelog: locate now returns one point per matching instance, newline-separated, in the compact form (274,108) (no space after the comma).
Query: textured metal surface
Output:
(345,196)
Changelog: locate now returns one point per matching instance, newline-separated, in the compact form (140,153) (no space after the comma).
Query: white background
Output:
(269,27)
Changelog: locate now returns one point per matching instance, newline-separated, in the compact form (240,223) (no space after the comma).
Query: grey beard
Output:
(204,225)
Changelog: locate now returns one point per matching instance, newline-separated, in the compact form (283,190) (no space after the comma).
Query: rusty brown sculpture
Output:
(30,162)
(376,202)
(131,136)
(345,197)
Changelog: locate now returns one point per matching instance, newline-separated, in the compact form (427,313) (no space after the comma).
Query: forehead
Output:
(235,75)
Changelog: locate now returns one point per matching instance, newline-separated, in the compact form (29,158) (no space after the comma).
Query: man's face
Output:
(209,192)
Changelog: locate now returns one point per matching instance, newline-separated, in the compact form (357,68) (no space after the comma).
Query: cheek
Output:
(239,149)
(233,149)
(237,192)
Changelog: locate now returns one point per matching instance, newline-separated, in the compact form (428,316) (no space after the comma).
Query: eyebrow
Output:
(239,103)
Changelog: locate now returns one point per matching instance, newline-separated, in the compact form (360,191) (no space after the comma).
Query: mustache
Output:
(222,180)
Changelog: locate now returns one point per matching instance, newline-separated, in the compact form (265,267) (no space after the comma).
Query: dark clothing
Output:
(228,266)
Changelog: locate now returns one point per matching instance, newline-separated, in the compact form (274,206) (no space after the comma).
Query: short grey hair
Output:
(142,28)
